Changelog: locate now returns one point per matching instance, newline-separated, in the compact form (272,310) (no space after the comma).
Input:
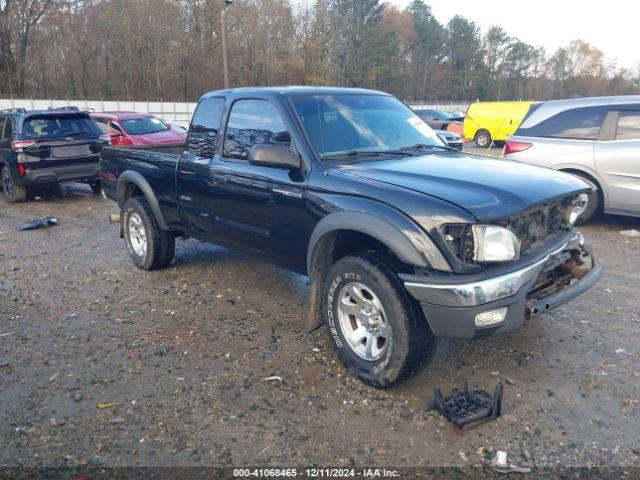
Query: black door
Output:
(258,207)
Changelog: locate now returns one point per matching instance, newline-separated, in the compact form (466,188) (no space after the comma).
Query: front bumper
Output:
(451,306)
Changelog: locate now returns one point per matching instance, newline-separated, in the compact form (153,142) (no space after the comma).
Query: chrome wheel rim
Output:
(363,321)
(137,235)
(482,140)
(7,184)
(583,204)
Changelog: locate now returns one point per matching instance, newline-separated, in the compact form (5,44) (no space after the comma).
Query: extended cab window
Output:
(2,119)
(628,126)
(253,122)
(205,125)
(577,124)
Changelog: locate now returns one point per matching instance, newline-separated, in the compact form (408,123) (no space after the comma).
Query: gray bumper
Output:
(451,306)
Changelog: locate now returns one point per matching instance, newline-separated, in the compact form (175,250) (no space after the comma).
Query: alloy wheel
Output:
(363,321)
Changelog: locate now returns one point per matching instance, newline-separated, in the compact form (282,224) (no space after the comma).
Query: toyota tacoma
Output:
(403,238)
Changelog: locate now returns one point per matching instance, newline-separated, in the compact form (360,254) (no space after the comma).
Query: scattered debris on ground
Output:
(630,233)
(501,464)
(468,408)
(39,223)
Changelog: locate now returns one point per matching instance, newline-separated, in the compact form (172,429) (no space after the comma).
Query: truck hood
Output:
(488,188)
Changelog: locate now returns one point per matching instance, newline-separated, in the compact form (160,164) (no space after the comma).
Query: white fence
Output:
(445,106)
(170,111)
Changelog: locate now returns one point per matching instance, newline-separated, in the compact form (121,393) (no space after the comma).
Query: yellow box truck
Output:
(488,122)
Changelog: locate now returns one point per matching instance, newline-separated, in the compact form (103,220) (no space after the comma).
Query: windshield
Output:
(49,127)
(143,125)
(344,124)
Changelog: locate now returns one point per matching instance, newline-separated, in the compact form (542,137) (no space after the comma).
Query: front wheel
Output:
(149,246)
(377,329)
(13,193)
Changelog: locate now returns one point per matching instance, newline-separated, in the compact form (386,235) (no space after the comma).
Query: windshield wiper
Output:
(367,153)
(79,135)
(422,146)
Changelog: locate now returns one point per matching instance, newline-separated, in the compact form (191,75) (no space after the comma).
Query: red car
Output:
(135,128)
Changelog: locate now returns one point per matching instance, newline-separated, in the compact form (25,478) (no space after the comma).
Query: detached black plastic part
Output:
(468,408)
(40,223)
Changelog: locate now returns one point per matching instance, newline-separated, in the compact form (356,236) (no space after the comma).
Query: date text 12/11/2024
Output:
(315,473)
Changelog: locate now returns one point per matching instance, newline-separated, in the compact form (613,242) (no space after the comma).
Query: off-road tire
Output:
(482,139)
(12,192)
(411,345)
(161,245)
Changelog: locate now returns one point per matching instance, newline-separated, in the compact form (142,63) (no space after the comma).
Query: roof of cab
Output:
(290,91)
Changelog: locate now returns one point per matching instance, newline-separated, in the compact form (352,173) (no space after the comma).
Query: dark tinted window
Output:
(8,128)
(628,126)
(59,127)
(2,119)
(205,125)
(253,122)
(578,123)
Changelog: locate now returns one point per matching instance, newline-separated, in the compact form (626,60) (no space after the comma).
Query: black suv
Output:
(42,148)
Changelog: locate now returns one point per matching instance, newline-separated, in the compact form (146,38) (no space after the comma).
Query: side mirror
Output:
(273,156)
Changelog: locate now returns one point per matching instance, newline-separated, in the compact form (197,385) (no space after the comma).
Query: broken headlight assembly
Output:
(576,208)
(492,243)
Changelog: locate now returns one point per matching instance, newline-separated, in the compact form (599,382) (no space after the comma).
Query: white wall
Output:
(170,111)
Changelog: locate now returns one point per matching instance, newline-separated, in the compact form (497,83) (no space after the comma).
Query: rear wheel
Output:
(377,329)
(13,193)
(483,139)
(149,246)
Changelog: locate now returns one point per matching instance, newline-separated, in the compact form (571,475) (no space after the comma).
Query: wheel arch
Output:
(129,178)
(345,232)
(591,176)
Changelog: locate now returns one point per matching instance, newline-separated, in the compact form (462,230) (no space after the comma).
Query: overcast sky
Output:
(613,25)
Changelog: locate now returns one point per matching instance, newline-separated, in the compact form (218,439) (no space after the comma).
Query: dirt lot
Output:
(175,359)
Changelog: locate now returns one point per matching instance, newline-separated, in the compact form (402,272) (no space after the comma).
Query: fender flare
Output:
(129,176)
(376,227)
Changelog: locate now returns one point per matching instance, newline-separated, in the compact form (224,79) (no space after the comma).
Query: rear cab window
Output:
(205,127)
(575,124)
(253,122)
(47,127)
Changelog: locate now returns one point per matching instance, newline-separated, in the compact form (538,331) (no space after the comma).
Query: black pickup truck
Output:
(404,239)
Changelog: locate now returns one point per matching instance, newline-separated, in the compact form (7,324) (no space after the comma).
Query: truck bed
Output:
(157,163)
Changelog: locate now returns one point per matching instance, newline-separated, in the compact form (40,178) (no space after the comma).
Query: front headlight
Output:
(494,244)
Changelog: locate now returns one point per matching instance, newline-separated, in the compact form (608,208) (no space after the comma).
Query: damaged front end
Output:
(559,280)
(498,300)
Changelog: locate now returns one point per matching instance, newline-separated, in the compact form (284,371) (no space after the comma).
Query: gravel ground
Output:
(104,364)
